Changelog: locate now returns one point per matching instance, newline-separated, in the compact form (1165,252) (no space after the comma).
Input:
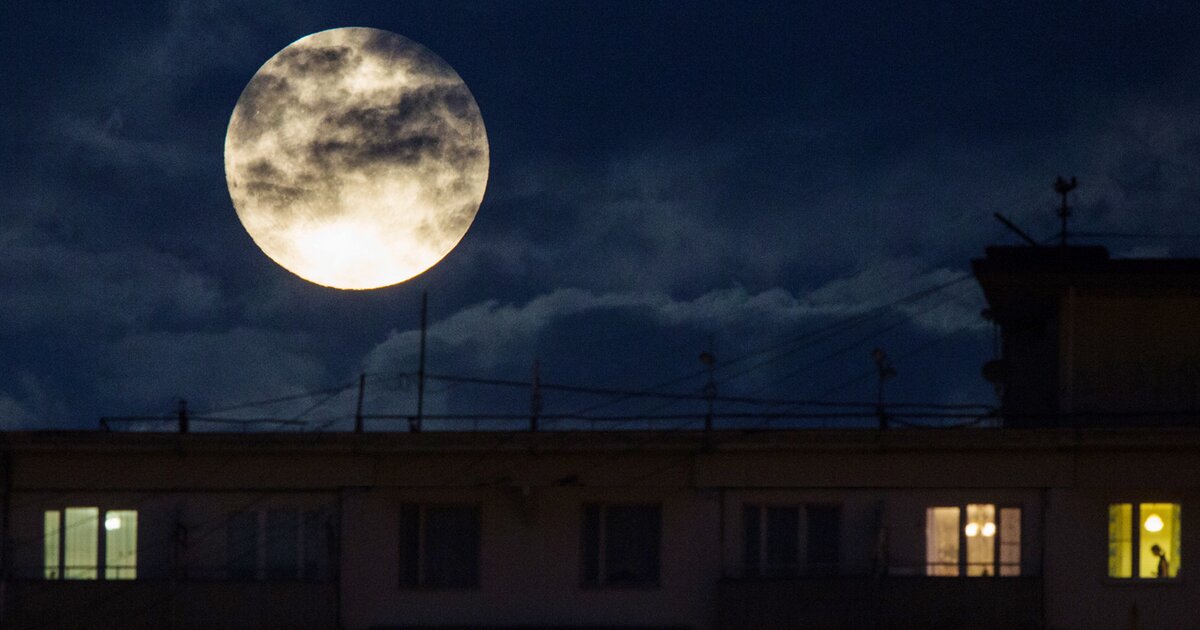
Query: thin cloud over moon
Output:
(356,158)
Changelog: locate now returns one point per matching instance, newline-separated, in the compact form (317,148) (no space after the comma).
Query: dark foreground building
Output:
(1069,516)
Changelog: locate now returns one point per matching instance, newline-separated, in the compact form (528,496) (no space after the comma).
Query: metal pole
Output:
(535,398)
(183,416)
(358,416)
(421,364)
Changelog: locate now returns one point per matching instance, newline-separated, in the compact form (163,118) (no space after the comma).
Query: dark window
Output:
(751,517)
(773,542)
(294,545)
(783,545)
(282,544)
(823,538)
(621,544)
(439,546)
(241,545)
(316,539)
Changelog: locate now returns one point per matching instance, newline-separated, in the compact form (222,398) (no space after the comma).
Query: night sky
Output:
(662,173)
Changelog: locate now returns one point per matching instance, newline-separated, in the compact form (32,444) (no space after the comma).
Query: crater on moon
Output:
(356,158)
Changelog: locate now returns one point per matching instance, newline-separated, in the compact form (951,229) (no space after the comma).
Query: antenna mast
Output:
(421,362)
(1062,187)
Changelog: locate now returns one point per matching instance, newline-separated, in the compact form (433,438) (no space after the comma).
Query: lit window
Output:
(979,545)
(772,537)
(120,544)
(73,542)
(1145,536)
(439,545)
(621,544)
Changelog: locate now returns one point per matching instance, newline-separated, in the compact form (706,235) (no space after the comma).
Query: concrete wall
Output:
(531,499)
(1131,354)
(530,562)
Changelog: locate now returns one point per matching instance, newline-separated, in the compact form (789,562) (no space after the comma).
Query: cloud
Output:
(14,416)
(26,404)
(488,333)
(53,284)
(209,369)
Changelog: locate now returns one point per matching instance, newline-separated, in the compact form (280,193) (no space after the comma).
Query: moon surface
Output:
(356,158)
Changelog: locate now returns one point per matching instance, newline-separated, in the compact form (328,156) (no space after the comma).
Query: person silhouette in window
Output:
(1164,567)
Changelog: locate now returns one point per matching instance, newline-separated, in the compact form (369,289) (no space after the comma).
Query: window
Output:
(439,545)
(1146,536)
(975,540)
(293,544)
(773,542)
(621,544)
(74,546)
(241,545)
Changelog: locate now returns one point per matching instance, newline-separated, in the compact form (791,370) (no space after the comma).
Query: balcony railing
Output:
(875,602)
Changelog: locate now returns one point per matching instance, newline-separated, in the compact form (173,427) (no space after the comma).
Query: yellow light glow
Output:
(989,529)
(972,529)
(112,523)
(1154,523)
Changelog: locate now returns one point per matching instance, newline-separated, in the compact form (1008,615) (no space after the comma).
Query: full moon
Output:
(356,158)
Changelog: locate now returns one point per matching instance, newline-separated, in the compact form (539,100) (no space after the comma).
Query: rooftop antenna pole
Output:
(358,415)
(183,416)
(1062,187)
(421,362)
(710,388)
(886,371)
(535,398)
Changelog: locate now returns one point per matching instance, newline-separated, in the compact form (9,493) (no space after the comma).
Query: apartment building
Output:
(1068,515)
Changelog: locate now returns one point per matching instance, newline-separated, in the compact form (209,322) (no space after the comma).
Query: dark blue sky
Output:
(660,172)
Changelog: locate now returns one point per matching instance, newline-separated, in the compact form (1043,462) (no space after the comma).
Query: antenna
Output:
(710,388)
(421,365)
(1062,187)
(886,371)
(535,397)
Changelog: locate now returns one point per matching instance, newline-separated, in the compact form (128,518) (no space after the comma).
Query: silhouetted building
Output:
(1092,341)
(1049,522)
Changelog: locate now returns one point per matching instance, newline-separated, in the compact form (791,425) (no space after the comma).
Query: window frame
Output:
(101,569)
(421,580)
(599,580)
(802,563)
(962,566)
(1135,540)
(261,569)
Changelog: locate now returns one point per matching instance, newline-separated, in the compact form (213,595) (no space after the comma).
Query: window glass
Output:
(1120,540)
(823,538)
(451,546)
(241,545)
(783,545)
(631,544)
(1010,541)
(120,544)
(51,544)
(1144,540)
(941,541)
(752,553)
(1158,540)
(621,544)
(82,541)
(410,545)
(980,532)
(282,544)
(314,544)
